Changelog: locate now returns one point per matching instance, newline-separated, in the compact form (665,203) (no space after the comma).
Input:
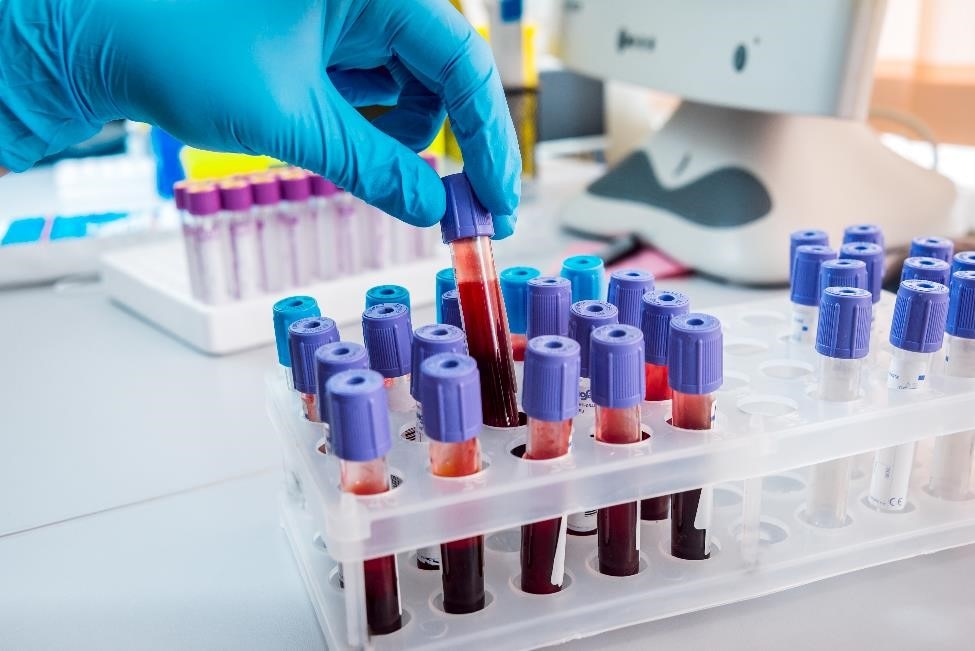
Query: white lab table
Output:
(138,485)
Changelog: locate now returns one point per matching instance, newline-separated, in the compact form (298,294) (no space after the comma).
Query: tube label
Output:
(429,556)
(558,564)
(582,523)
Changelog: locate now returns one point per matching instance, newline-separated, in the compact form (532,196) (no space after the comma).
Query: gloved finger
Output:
(460,69)
(419,112)
(372,87)
(504,226)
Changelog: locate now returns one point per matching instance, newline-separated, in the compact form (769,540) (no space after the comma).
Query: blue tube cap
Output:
(430,340)
(450,308)
(551,386)
(358,415)
(304,338)
(805,272)
(514,288)
(659,308)
(961,305)
(451,397)
(845,272)
(809,236)
(931,269)
(465,216)
(844,323)
(584,317)
(332,359)
(387,331)
(549,300)
(963,261)
(932,247)
(872,255)
(585,272)
(695,354)
(616,366)
(920,316)
(626,290)
(284,313)
(387,294)
(864,233)
(445,282)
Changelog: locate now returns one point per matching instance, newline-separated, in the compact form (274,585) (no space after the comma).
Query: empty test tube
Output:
(321,204)
(805,290)
(616,360)
(351,235)
(951,465)
(549,302)
(585,273)
(331,359)
(931,269)
(360,436)
(208,235)
(864,233)
(916,334)
(626,290)
(451,396)
(180,191)
(284,313)
(468,227)
(695,370)
(387,333)
(514,289)
(298,227)
(549,398)
(387,294)
(963,261)
(842,341)
(844,272)
(266,192)
(450,308)
(305,336)
(932,247)
(659,307)
(807,236)
(444,282)
(246,268)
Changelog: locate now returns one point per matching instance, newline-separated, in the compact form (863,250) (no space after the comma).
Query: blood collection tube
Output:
(951,465)
(963,261)
(298,227)
(872,255)
(932,247)
(844,272)
(659,307)
(360,435)
(380,243)
(842,341)
(626,290)
(916,334)
(805,290)
(284,313)
(266,191)
(387,294)
(467,227)
(451,396)
(616,367)
(514,289)
(430,340)
(331,359)
(807,236)
(209,237)
(585,273)
(450,308)
(351,235)
(305,336)
(695,371)
(445,282)
(247,269)
(321,204)
(931,269)
(180,192)
(864,233)
(550,399)
(387,332)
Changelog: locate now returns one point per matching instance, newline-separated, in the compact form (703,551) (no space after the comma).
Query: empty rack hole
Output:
(504,542)
(782,484)
(763,319)
(768,405)
(786,369)
(726,496)
(743,347)
(770,531)
(733,381)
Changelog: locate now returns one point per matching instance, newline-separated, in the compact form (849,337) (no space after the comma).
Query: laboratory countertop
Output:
(138,483)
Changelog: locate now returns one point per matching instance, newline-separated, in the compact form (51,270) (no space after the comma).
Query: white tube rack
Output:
(769,428)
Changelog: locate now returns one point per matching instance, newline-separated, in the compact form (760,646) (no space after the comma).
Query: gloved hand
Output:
(278,78)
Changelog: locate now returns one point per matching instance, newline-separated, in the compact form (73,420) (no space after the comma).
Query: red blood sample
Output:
(656,508)
(617,526)
(309,405)
(518,345)
(696,412)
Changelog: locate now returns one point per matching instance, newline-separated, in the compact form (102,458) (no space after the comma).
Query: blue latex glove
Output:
(279,78)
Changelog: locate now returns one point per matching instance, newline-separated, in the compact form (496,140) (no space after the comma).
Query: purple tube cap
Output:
(450,394)
(845,315)
(358,415)
(616,366)
(805,272)
(920,316)
(333,358)
(549,300)
(180,189)
(626,290)
(808,236)
(963,261)
(295,185)
(465,216)
(961,305)
(551,384)
(845,272)
(450,308)
(659,308)
(872,255)
(203,199)
(322,187)
(932,247)
(430,340)
(584,317)
(236,195)
(864,233)
(387,332)
(695,354)
(266,189)
(304,338)
(923,268)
